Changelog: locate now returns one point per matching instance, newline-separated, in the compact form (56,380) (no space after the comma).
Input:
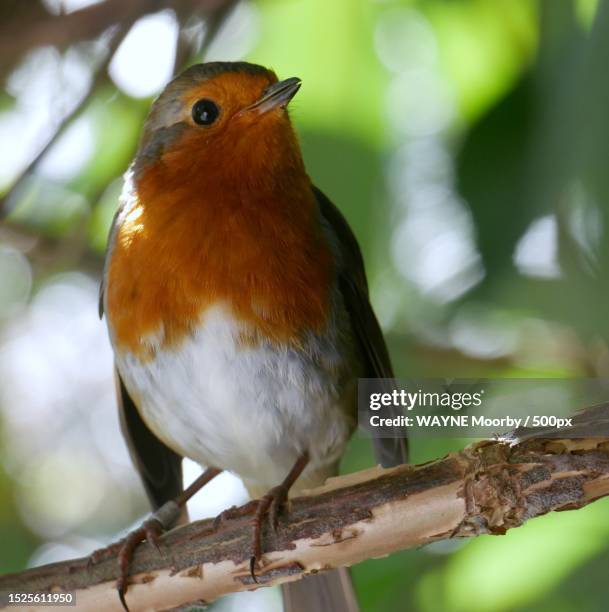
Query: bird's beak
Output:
(277,95)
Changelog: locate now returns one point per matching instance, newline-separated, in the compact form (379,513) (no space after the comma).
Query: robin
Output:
(237,307)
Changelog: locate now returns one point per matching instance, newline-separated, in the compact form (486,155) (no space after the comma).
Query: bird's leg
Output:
(271,504)
(151,529)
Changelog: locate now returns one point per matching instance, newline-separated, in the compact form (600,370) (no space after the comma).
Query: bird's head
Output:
(224,119)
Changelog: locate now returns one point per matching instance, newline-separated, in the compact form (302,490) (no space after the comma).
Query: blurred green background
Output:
(467,142)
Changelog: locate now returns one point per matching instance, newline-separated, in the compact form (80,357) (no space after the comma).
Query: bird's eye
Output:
(205,112)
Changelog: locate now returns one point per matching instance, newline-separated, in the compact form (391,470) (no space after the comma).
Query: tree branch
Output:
(28,28)
(487,488)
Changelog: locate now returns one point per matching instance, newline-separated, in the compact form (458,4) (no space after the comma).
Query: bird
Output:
(237,308)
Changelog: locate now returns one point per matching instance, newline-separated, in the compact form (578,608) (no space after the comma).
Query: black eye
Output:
(205,112)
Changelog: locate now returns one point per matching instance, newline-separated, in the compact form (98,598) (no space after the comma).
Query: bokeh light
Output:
(144,61)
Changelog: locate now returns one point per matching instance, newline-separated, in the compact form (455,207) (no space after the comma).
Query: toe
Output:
(276,506)
(124,557)
(121,587)
(253,564)
(153,531)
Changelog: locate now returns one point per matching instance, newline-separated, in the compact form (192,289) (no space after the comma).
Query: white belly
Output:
(252,410)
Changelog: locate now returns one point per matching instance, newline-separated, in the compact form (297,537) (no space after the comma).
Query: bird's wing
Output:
(159,467)
(109,247)
(354,289)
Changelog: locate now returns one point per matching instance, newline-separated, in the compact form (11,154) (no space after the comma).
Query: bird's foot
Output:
(271,505)
(149,531)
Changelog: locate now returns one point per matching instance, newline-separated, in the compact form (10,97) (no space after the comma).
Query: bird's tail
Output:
(330,591)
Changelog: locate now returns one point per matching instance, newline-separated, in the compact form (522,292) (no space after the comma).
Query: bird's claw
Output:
(270,504)
(280,496)
(150,531)
(253,563)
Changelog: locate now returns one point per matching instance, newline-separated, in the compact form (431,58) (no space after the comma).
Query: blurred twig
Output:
(91,22)
(487,488)
(116,39)
(214,21)
(22,30)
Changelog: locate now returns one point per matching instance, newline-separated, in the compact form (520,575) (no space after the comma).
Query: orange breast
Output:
(181,250)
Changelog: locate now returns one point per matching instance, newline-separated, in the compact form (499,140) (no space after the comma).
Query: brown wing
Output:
(159,467)
(354,288)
